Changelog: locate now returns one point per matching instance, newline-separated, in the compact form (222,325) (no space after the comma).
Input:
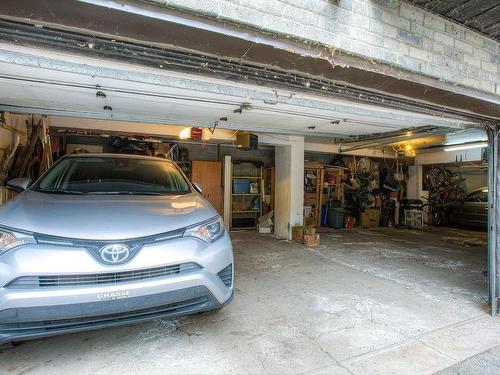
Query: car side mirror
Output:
(19,184)
(197,187)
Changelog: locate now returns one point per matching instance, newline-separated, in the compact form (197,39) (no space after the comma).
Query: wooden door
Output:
(208,174)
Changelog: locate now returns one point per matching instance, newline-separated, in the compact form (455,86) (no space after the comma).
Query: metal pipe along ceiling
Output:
(401,136)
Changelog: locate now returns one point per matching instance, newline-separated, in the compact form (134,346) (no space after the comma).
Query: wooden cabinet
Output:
(208,174)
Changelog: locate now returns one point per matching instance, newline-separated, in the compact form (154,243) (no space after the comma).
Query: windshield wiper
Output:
(58,191)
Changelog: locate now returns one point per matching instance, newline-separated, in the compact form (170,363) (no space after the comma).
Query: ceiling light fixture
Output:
(185,133)
(466,146)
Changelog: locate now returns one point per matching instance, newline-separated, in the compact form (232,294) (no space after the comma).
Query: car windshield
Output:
(113,175)
(478,196)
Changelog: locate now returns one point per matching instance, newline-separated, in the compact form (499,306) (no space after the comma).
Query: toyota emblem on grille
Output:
(115,253)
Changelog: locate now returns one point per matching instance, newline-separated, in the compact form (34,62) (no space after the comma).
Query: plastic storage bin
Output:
(335,218)
(241,186)
(406,205)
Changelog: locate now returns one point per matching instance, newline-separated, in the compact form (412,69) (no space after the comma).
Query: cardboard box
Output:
(311,239)
(370,218)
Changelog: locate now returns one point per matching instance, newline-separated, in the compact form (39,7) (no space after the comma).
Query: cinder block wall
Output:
(388,31)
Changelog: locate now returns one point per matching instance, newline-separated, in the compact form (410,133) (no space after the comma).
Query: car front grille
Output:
(133,242)
(94,246)
(226,275)
(76,280)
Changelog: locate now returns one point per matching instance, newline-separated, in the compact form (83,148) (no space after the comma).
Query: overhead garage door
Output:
(45,73)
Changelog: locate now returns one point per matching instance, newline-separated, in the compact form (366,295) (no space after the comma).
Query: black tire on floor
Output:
(5,346)
(210,312)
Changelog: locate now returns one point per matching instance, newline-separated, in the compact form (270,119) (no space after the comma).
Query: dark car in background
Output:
(470,212)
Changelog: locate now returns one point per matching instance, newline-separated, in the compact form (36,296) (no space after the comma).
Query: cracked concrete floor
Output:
(365,301)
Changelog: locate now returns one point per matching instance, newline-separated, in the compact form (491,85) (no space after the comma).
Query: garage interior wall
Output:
(197,150)
(473,179)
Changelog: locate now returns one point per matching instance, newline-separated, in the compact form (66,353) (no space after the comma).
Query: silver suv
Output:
(103,240)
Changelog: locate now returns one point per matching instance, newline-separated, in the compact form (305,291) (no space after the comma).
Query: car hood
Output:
(99,217)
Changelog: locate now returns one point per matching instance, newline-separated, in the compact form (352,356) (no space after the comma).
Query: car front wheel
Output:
(5,346)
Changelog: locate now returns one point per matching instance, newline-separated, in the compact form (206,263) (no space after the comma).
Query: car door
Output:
(455,212)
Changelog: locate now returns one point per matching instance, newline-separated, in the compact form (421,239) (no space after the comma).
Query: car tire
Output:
(6,346)
(211,312)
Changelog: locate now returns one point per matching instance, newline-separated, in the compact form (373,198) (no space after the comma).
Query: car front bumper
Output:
(45,310)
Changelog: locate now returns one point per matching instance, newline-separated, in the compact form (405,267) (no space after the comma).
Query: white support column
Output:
(289,176)
(228,181)
(415,182)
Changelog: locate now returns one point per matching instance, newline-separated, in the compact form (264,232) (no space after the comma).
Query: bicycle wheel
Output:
(438,217)
(364,168)
(435,216)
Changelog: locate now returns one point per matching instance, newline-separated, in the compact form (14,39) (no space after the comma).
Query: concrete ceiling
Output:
(480,15)
(34,81)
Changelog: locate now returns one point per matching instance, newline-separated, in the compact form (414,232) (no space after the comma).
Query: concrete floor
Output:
(486,363)
(365,301)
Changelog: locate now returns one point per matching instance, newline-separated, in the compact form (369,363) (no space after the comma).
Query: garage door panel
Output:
(61,85)
(43,96)
(83,99)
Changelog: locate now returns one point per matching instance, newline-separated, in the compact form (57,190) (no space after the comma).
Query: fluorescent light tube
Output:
(466,146)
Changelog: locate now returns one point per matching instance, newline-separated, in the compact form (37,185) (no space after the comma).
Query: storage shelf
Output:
(245,179)
(319,179)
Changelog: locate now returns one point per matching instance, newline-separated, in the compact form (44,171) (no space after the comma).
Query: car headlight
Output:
(10,239)
(208,231)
